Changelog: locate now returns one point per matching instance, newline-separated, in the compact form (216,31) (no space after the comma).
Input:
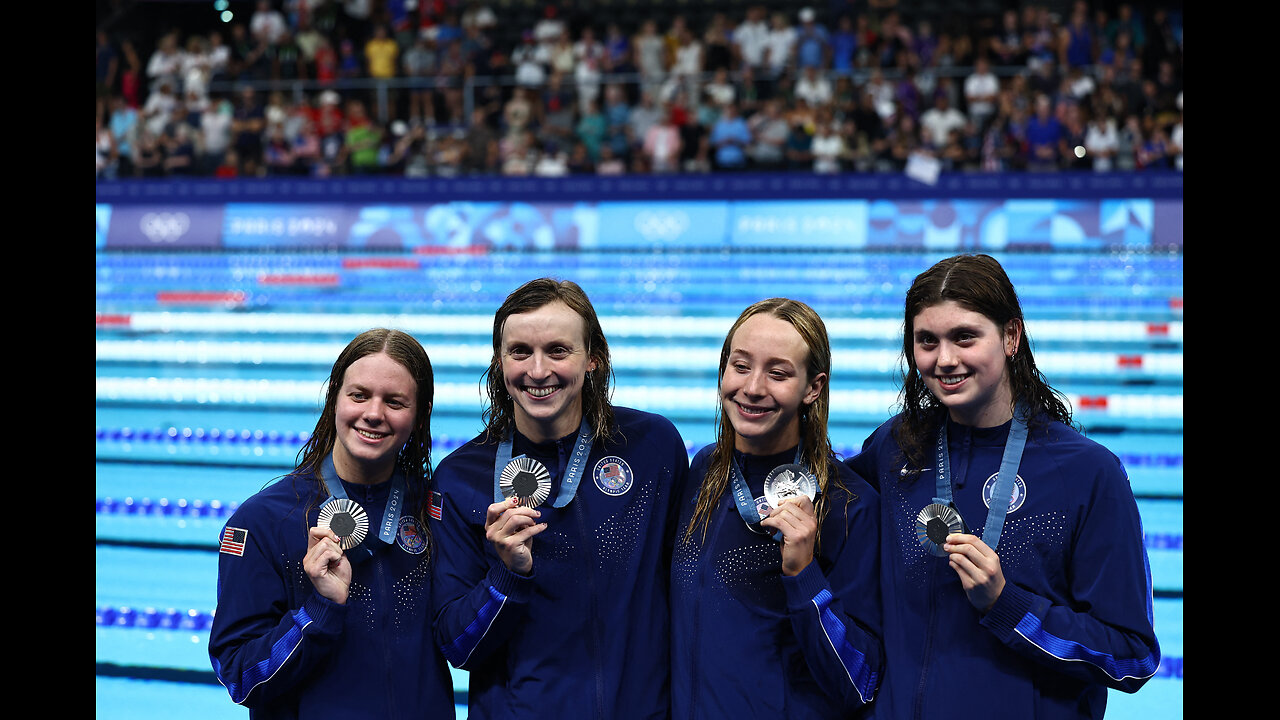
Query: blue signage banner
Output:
(161,226)
(658,224)
(248,225)
(825,224)
(524,219)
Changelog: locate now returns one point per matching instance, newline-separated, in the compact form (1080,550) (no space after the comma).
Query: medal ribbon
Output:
(573,473)
(742,493)
(1002,493)
(390,516)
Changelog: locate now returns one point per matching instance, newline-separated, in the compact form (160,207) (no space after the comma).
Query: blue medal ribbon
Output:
(1003,490)
(573,473)
(390,516)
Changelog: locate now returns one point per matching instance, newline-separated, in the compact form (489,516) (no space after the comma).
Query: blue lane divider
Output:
(201,435)
(160,619)
(164,507)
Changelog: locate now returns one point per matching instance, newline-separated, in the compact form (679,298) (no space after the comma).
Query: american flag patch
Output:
(233,541)
(437,500)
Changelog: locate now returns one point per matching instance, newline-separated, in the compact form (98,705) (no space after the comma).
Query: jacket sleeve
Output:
(835,606)
(477,601)
(264,642)
(1106,635)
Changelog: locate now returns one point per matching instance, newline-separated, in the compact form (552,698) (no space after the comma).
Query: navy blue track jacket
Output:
(749,642)
(1075,616)
(587,635)
(284,651)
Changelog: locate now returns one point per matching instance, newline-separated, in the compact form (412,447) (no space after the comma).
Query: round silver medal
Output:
(934,523)
(346,519)
(527,480)
(788,481)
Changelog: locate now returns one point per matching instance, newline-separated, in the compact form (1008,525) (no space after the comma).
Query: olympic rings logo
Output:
(661,225)
(164,227)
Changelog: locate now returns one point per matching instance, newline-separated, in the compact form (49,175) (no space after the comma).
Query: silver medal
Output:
(788,481)
(527,480)
(346,519)
(934,524)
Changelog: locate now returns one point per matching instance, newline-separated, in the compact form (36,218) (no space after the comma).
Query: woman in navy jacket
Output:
(555,528)
(775,616)
(323,581)
(1029,607)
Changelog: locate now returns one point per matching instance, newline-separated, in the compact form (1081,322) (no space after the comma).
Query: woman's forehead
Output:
(551,321)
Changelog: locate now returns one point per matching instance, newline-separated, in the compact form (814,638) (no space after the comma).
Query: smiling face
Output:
(374,416)
(764,383)
(961,356)
(545,360)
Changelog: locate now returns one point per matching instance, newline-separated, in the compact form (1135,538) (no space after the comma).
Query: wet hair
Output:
(415,457)
(816,450)
(977,283)
(499,414)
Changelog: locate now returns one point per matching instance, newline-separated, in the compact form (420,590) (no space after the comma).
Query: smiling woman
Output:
(1003,524)
(374,418)
(557,519)
(545,361)
(960,355)
(313,569)
(777,536)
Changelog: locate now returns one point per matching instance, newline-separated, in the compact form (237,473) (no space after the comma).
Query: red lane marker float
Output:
(440,250)
(380,263)
(1175,304)
(1129,361)
(326,279)
(1093,402)
(1161,329)
(201,296)
(114,320)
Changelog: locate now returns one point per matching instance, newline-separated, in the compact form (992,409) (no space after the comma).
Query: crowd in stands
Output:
(321,88)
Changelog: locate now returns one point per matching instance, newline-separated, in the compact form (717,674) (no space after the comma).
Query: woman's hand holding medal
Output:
(511,527)
(327,565)
(978,567)
(795,519)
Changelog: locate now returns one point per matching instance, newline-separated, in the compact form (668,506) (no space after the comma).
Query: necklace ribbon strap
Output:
(742,493)
(573,473)
(1002,493)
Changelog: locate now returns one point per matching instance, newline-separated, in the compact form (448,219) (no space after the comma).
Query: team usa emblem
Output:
(1019,491)
(410,537)
(613,475)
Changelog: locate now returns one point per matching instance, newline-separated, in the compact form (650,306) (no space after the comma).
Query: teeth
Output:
(371,435)
(951,379)
(540,392)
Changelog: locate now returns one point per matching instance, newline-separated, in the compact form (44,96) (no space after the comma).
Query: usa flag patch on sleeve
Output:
(233,540)
(437,501)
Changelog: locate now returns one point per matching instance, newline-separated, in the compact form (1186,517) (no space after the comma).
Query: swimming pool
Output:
(210,371)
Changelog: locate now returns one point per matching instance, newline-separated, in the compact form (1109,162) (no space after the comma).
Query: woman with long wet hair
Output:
(555,527)
(324,579)
(775,612)
(1014,576)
